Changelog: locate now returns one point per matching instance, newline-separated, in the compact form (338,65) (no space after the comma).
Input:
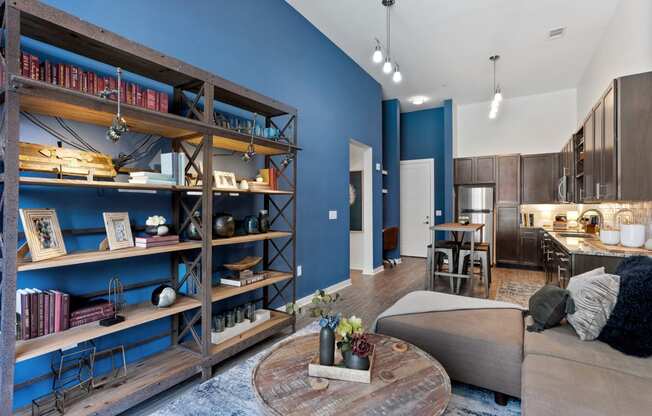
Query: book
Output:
(240,281)
(150,99)
(90,318)
(74,77)
(65,314)
(89,307)
(22,308)
(157,239)
(151,175)
(159,244)
(41,311)
(46,313)
(57,310)
(34,67)
(152,181)
(163,102)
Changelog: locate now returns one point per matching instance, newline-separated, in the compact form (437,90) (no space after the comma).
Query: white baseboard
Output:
(306,300)
(377,270)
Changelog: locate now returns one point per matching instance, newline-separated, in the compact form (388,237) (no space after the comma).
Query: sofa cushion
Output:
(562,342)
(479,347)
(548,306)
(594,298)
(554,386)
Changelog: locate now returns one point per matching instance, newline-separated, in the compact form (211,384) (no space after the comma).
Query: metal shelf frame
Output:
(34,19)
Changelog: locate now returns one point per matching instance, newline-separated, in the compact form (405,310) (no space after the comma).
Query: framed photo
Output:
(118,230)
(225,180)
(355,200)
(42,233)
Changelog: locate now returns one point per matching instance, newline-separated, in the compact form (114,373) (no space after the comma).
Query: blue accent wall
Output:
(426,134)
(266,46)
(391,163)
(449,213)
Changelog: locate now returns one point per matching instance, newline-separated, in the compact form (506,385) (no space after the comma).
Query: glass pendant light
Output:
(397,77)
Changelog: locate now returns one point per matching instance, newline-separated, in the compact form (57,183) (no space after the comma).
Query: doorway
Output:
(361,207)
(417,206)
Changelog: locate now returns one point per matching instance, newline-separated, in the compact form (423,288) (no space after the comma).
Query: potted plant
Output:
(321,306)
(357,357)
(155,225)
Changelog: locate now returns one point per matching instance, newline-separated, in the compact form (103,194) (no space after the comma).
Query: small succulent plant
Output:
(360,345)
(346,329)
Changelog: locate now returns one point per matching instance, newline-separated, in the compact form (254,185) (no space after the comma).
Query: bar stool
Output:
(481,252)
(448,249)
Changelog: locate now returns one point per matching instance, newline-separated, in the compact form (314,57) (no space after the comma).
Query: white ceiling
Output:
(443,46)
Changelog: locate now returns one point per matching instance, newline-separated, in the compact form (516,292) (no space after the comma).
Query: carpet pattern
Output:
(230,394)
(517,292)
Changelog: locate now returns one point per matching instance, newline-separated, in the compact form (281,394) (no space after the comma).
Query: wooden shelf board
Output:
(276,319)
(238,142)
(134,315)
(82,183)
(222,292)
(145,379)
(96,256)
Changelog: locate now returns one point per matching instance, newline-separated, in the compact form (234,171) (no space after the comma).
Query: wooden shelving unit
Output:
(187,355)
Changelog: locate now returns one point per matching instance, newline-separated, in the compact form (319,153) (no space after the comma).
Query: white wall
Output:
(533,124)
(625,49)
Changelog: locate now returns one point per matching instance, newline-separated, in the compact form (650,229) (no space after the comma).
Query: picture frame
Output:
(225,180)
(43,233)
(118,230)
(356,219)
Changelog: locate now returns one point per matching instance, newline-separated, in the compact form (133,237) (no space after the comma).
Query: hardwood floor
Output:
(366,298)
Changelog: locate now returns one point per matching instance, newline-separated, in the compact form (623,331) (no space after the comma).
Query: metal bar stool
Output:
(448,249)
(482,254)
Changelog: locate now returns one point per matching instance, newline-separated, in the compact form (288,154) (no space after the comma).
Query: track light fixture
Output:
(378,55)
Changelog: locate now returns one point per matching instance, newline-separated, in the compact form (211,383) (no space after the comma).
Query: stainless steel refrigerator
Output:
(477,204)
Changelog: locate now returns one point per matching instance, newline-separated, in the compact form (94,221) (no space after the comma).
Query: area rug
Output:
(230,394)
(517,292)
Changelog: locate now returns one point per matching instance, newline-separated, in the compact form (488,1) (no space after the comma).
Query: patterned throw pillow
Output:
(595,297)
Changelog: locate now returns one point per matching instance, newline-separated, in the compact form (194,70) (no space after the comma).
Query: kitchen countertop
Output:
(591,246)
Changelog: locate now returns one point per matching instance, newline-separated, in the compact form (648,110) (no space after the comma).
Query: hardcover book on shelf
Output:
(240,281)
(156,241)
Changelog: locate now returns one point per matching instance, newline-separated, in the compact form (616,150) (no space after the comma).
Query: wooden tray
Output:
(244,264)
(340,372)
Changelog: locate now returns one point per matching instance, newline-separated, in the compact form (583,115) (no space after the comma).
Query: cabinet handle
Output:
(597,190)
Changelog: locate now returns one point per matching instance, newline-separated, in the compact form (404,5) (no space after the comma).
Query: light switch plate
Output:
(332,215)
(299,270)
(438,213)
(378,166)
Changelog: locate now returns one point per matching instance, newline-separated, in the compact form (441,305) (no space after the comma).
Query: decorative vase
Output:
(263,221)
(355,362)
(163,296)
(192,232)
(251,224)
(223,226)
(159,230)
(326,346)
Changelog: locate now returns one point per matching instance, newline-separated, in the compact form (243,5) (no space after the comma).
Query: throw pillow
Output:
(595,272)
(594,297)
(629,328)
(548,306)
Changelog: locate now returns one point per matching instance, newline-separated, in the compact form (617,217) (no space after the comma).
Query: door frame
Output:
(431,166)
(367,206)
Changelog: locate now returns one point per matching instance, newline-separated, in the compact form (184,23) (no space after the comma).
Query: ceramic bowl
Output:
(610,237)
(632,235)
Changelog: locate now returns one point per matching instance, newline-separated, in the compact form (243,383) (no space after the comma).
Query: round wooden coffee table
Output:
(402,383)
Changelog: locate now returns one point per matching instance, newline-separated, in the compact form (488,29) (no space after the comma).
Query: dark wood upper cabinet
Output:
(464,171)
(508,179)
(475,170)
(485,169)
(539,178)
(609,181)
(598,150)
(566,169)
(588,193)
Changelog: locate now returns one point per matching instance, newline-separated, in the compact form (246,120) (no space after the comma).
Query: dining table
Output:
(458,230)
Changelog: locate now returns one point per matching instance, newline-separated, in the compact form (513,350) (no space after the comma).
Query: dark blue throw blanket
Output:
(629,328)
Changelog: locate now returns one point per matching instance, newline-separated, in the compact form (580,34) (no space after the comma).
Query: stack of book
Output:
(41,312)
(270,180)
(90,312)
(151,178)
(174,164)
(156,241)
(75,78)
(243,279)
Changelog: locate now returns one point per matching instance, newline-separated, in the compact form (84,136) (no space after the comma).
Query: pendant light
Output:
(378,55)
(498,95)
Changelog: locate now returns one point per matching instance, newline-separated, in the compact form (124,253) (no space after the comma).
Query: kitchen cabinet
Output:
(539,178)
(566,174)
(529,247)
(590,167)
(508,180)
(475,170)
(608,181)
(507,235)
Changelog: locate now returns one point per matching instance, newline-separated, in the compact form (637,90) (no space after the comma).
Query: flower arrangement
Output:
(360,345)
(346,330)
(330,321)
(155,221)
(321,306)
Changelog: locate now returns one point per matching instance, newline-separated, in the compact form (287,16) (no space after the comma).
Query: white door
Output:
(417,202)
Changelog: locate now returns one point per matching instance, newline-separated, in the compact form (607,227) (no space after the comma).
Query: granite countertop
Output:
(592,246)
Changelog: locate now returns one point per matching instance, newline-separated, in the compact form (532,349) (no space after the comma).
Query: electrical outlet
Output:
(438,213)
(332,215)
(299,270)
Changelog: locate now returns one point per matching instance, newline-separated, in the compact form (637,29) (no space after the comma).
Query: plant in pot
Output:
(155,225)
(351,334)
(322,306)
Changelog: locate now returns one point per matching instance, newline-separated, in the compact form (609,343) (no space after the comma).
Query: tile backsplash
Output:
(544,214)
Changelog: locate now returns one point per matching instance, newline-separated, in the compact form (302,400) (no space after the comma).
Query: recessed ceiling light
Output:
(418,99)
(556,33)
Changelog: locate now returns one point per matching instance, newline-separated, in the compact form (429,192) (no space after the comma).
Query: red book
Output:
(92,83)
(61,71)
(150,99)
(46,313)
(65,308)
(84,82)
(57,310)
(129,98)
(139,97)
(100,83)
(33,67)
(67,78)
(123,91)
(74,78)
(163,102)
(33,314)
(41,72)
(24,315)
(113,85)
(89,318)
(41,313)
(91,310)
(48,71)
(24,64)
(52,308)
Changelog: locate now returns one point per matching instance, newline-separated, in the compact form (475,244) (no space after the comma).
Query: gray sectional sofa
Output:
(553,372)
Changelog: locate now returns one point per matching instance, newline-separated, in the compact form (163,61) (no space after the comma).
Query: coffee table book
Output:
(340,372)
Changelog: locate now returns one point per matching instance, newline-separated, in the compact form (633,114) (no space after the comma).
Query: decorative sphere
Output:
(162,230)
(163,296)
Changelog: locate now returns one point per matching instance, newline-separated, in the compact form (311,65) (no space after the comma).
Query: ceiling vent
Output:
(556,33)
